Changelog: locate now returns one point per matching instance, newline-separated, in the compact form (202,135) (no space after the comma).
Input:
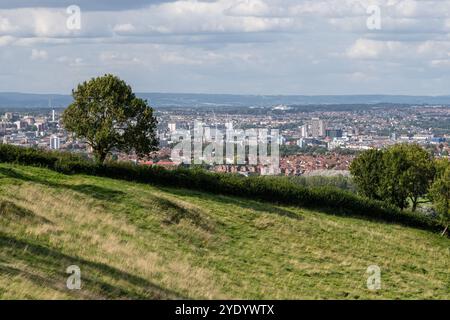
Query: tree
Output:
(420,174)
(394,175)
(440,192)
(367,170)
(408,173)
(107,114)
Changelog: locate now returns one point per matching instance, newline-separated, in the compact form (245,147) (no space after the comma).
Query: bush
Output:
(270,189)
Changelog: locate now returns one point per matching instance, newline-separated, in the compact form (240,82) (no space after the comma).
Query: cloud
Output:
(365,49)
(249,8)
(221,17)
(38,54)
(6,40)
(88,5)
(250,46)
(6,26)
(126,27)
(71,61)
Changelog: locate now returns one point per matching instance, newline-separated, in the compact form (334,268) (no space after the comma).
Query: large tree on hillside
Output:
(106,113)
(408,173)
(394,175)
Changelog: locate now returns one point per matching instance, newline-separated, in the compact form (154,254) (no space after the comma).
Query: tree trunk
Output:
(100,156)
(445,230)
(414,206)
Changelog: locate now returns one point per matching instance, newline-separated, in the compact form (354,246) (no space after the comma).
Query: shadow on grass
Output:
(414,220)
(11,211)
(47,266)
(240,202)
(94,191)
(176,212)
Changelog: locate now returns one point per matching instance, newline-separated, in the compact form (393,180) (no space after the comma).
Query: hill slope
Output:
(139,241)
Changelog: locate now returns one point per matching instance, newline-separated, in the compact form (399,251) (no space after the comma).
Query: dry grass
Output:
(138,241)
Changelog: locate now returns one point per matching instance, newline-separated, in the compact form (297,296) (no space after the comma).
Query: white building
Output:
(172,127)
(304,131)
(55,143)
(317,128)
(3,126)
(19,124)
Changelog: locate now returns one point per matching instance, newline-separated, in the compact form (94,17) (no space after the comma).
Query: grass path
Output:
(138,241)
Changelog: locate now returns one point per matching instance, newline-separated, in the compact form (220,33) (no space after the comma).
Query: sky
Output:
(307,47)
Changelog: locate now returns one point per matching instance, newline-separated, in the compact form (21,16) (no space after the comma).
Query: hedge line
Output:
(270,189)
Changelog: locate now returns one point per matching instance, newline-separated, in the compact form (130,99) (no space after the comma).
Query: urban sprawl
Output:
(314,140)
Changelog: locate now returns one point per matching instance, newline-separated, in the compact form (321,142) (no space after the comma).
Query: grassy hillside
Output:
(139,241)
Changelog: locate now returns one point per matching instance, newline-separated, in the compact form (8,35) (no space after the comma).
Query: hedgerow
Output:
(270,189)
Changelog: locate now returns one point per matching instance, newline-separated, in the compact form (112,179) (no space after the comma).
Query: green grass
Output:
(139,241)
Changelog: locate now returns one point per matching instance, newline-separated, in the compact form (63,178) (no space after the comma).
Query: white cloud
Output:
(249,8)
(72,62)
(185,17)
(365,49)
(116,58)
(434,49)
(6,40)
(6,26)
(440,63)
(38,54)
(126,27)
(374,49)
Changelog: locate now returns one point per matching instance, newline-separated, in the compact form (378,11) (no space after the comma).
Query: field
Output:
(138,241)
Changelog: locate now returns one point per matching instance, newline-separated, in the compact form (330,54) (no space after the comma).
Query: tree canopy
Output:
(400,173)
(367,171)
(408,173)
(108,115)
(440,192)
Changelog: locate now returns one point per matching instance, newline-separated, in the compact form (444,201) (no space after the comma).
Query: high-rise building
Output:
(304,131)
(317,128)
(172,127)
(333,133)
(20,125)
(301,143)
(3,126)
(55,143)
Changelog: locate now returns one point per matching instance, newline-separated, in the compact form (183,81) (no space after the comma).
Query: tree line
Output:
(404,175)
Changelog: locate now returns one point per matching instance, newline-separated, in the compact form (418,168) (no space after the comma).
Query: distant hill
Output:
(133,240)
(174,99)
(30,100)
(160,100)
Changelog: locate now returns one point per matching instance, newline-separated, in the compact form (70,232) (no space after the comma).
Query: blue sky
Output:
(229,46)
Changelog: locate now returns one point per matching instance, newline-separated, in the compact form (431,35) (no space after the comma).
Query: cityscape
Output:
(312,142)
